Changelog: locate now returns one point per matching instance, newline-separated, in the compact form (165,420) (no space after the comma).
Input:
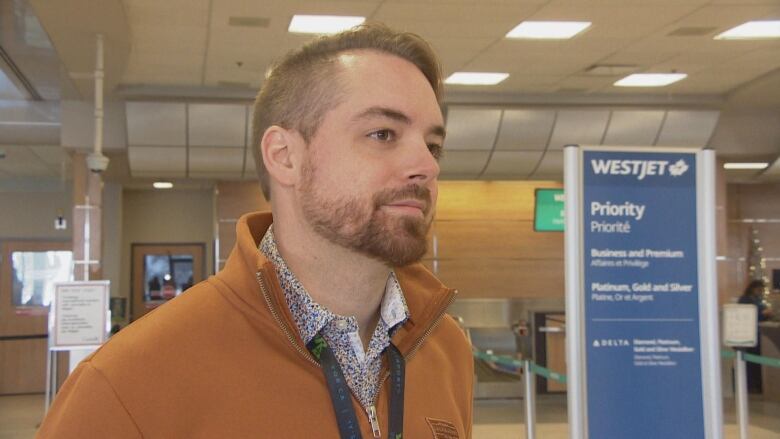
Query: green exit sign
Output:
(548,210)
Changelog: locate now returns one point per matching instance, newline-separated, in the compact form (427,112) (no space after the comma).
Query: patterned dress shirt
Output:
(360,367)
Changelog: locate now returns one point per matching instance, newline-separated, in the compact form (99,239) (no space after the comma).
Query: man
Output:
(322,324)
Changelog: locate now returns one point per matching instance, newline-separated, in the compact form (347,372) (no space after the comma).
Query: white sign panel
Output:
(79,315)
(740,325)
(641,293)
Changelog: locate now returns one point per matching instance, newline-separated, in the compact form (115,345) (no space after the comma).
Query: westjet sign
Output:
(638,168)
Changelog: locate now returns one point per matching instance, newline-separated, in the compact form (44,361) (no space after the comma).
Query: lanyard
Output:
(340,396)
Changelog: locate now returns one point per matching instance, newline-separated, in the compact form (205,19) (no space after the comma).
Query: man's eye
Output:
(383,135)
(436,150)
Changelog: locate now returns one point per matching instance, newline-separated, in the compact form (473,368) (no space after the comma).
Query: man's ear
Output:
(278,147)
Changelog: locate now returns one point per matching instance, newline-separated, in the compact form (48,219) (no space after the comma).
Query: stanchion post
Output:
(49,374)
(740,376)
(530,400)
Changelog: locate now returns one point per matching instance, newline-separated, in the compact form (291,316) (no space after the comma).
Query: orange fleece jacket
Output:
(225,360)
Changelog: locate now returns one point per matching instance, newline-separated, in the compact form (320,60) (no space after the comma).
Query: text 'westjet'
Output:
(638,168)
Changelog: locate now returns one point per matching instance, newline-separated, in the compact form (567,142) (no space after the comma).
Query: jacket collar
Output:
(426,297)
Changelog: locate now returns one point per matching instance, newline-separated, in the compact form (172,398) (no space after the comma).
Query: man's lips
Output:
(411,205)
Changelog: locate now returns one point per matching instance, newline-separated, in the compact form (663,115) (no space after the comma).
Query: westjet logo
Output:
(639,168)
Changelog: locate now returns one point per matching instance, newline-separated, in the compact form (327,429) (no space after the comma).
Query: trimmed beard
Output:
(348,222)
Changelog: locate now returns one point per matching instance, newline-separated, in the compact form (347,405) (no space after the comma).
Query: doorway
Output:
(550,351)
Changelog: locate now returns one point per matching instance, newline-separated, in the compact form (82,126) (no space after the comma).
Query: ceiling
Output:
(201,62)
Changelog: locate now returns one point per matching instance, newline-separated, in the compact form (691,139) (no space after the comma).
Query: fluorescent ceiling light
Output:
(162,184)
(323,24)
(745,165)
(548,30)
(476,78)
(650,79)
(752,30)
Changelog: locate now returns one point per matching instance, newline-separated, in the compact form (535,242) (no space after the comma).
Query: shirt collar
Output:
(309,316)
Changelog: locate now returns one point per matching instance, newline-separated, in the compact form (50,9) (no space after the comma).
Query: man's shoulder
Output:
(163,331)
(453,335)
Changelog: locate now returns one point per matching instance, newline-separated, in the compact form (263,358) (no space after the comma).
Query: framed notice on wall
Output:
(78,318)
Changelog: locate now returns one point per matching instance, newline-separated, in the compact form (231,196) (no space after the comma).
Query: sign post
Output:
(740,330)
(641,288)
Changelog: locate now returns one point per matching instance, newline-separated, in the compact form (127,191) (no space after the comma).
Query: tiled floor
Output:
(496,419)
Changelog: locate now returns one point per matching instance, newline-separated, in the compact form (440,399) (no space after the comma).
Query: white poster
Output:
(79,315)
(740,325)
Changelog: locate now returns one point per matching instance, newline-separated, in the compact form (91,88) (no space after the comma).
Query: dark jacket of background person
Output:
(754,295)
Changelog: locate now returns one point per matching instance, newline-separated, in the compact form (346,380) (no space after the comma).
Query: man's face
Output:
(369,179)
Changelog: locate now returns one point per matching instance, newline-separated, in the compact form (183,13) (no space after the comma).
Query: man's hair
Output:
(754,285)
(301,87)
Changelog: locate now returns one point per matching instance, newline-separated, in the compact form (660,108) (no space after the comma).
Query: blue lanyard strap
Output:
(340,395)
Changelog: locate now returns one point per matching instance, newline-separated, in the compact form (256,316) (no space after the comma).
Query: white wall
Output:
(30,215)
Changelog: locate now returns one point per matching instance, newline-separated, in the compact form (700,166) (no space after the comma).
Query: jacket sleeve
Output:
(88,407)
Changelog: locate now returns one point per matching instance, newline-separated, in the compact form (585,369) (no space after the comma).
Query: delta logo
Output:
(639,168)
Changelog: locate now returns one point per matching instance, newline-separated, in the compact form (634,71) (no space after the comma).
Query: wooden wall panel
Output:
(757,200)
(233,200)
(227,238)
(750,206)
(486,244)
(236,198)
(491,200)
(494,239)
(23,366)
(721,207)
(501,278)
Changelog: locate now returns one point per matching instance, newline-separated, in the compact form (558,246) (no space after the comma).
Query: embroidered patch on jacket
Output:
(442,429)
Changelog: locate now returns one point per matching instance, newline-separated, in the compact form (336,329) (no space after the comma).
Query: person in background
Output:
(754,295)
(323,323)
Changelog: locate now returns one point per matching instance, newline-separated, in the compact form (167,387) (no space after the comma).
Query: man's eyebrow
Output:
(396,115)
(383,112)
(438,130)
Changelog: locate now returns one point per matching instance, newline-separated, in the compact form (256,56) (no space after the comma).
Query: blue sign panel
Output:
(640,273)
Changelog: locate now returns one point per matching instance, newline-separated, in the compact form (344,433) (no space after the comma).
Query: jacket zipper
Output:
(278,319)
(370,410)
(372,419)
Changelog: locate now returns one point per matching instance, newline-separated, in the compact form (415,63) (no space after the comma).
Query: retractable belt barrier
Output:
(518,364)
(552,375)
(529,368)
(752,358)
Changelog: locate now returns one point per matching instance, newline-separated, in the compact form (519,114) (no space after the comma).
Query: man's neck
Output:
(343,281)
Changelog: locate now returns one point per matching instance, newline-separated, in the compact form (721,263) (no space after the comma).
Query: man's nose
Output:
(421,166)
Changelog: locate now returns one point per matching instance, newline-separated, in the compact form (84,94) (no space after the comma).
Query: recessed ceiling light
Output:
(752,30)
(650,79)
(745,165)
(548,30)
(476,78)
(162,185)
(323,24)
